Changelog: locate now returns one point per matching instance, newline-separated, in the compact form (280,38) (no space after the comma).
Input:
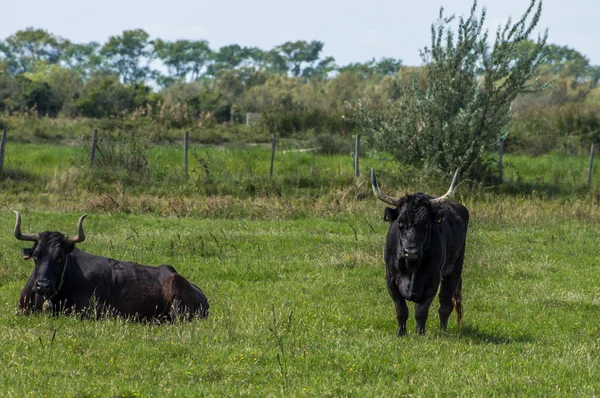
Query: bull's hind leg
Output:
(447,289)
(187,300)
(450,294)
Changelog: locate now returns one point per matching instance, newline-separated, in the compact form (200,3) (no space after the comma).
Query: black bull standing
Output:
(67,279)
(424,250)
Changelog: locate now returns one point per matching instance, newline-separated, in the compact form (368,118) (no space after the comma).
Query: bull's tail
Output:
(457,299)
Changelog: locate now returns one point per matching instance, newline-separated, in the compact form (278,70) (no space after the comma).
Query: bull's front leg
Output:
(401,309)
(30,301)
(401,316)
(421,314)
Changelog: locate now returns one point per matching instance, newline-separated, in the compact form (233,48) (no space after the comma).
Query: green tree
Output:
(27,47)
(64,84)
(183,58)
(254,58)
(9,90)
(232,57)
(38,96)
(274,62)
(130,55)
(464,110)
(385,66)
(84,59)
(301,55)
(320,70)
(104,95)
(566,61)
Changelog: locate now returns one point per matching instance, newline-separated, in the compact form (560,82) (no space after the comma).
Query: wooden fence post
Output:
(357,155)
(591,167)
(273,154)
(500,165)
(2,145)
(186,143)
(94,143)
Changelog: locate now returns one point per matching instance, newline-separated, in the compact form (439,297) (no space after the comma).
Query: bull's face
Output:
(49,253)
(414,216)
(414,219)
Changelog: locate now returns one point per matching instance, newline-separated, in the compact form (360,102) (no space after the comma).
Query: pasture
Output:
(297,291)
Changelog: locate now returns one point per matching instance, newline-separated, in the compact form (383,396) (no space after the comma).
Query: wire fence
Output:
(508,171)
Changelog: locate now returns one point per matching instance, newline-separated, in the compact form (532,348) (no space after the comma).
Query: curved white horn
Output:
(80,237)
(448,195)
(380,195)
(19,235)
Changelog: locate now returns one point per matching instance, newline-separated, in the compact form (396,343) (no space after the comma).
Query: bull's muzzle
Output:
(44,287)
(411,253)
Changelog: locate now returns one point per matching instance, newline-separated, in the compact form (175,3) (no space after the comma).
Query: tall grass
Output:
(292,267)
(133,166)
(299,308)
(561,171)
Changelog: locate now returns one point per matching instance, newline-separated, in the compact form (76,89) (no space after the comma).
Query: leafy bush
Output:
(570,127)
(38,96)
(464,109)
(329,144)
(289,118)
(104,95)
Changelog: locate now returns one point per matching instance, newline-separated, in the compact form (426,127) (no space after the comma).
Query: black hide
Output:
(71,280)
(424,251)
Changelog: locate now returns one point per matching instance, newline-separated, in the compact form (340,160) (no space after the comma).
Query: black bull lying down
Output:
(67,279)
(425,249)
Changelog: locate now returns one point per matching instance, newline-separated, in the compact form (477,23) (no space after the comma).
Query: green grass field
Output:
(551,171)
(298,300)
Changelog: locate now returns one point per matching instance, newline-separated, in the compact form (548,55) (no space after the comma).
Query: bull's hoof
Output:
(401,332)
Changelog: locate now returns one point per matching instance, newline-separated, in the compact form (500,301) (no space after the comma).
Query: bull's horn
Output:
(448,195)
(380,195)
(19,235)
(80,237)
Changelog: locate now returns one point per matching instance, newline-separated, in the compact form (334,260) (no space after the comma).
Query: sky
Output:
(353,31)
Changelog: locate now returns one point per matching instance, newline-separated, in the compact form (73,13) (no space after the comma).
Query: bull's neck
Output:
(61,282)
(71,263)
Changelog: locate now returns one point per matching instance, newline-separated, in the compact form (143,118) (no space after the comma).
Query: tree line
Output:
(294,86)
(132,57)
(49,74)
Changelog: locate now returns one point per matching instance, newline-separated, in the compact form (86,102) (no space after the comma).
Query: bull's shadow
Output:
(477,336)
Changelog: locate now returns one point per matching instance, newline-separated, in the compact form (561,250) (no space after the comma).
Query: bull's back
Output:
(138,290)
(126,288)
(159,291)
(455,227)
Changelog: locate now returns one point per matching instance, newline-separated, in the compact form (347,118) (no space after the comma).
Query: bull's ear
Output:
(390,214)
(27,253)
